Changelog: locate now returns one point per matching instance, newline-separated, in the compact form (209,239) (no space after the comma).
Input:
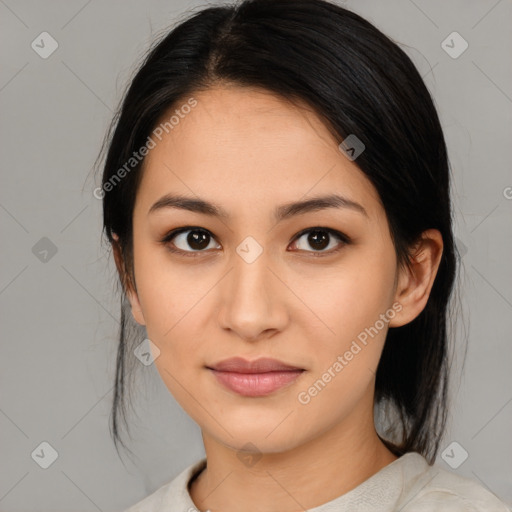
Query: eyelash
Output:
(171,234)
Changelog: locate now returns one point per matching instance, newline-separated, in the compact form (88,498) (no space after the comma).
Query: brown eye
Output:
(319,239)
(189,240)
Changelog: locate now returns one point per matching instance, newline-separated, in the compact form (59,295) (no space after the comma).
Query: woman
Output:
(276,193)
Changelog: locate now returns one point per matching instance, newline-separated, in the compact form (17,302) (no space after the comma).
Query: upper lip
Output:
(262,365)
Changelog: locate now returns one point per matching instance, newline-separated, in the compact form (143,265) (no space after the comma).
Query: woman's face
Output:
(249,284)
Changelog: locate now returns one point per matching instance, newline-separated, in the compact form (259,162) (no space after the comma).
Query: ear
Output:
(414,285)
(131,293)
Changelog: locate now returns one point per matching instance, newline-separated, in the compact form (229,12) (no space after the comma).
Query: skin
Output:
(249,151)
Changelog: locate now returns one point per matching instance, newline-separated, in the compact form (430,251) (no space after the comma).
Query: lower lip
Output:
(256,384)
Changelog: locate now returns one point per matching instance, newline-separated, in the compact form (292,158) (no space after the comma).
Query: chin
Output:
(264,435)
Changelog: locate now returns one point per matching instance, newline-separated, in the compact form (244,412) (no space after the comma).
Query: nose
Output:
(253,300)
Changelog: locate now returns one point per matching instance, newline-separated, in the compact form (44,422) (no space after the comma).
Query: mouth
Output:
(254,378)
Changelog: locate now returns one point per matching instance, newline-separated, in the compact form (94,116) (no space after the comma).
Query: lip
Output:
(262,365)
(254,378)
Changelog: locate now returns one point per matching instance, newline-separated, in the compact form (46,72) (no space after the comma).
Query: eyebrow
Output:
(282,212)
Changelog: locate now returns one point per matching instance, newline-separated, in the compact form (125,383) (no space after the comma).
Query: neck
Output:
(304,477)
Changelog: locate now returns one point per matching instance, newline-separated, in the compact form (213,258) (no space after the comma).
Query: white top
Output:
(408,484)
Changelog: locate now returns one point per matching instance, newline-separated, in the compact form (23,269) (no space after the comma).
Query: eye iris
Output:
(318,239)
(197,239)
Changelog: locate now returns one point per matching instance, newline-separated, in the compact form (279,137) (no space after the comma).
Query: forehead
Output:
(245,148)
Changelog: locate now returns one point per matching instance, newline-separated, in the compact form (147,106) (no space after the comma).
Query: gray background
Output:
(59,311)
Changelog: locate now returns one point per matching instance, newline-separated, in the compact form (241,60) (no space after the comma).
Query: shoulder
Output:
(151,503)
(174,492)
(432,488)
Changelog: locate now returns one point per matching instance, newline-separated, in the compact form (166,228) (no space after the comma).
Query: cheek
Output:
(351,297)
(350,302)
(177,301)
(167,293)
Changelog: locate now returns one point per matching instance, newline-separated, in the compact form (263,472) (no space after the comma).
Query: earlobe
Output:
(136,309)
(415,283)
(130,293)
